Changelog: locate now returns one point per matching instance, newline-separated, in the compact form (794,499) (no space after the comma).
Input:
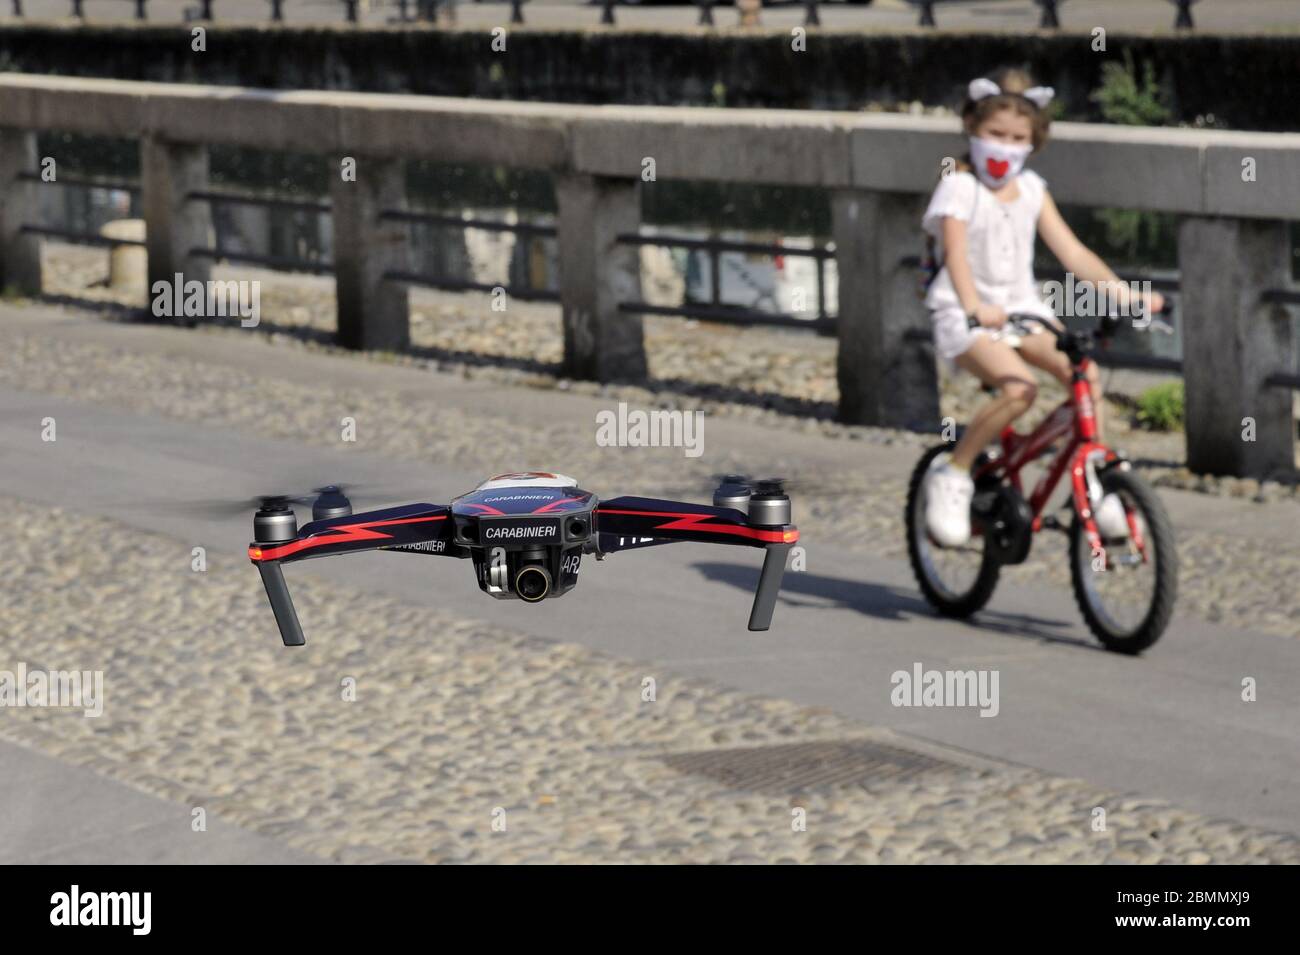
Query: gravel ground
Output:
(1220,578)
(457,723)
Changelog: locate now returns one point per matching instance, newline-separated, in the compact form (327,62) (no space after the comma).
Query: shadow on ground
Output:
(709,391)
(802,589)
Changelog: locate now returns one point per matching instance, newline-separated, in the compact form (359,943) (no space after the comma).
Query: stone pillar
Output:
(20,254)
(174,225)
(886,378)
(128,265)
(1231,342)
(373,312)
(596,273)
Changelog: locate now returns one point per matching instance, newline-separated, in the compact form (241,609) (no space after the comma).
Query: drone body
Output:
(526,533)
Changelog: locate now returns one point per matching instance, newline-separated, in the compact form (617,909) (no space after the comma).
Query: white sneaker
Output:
(948,493)
(1111,520)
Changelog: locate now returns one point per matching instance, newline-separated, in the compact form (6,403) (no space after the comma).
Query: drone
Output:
(526,534)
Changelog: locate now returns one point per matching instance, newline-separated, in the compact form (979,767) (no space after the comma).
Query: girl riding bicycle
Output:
(983,216)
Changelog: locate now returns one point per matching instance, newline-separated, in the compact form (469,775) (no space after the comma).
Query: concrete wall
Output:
(1190,171)
(1233,190)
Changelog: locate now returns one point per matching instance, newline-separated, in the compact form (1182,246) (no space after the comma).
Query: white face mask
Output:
(996,163)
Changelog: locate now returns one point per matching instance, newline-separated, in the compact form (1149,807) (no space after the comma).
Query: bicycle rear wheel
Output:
(957,581)
(1127,602)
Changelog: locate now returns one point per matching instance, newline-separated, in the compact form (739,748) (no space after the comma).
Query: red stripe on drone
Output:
(347,532)
(692,522)
(546,507)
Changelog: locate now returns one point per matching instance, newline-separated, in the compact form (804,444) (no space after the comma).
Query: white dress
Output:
(1000,246)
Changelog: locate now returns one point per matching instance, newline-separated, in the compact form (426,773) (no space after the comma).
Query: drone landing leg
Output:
(769,585)
(278,593)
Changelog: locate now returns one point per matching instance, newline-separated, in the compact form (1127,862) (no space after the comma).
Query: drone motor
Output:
(331,503)
(769,505)
(274,521)
(734,491)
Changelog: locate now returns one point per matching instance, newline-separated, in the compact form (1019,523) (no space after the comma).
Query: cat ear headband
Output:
(983,87)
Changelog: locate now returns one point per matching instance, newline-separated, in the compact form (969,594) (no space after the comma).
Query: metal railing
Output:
(1049,16)
(716,310)
(427,11)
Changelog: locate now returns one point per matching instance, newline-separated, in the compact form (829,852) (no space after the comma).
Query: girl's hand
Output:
(1155,302)
(990,316)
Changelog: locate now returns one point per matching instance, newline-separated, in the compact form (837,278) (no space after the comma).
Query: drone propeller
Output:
(327,501)
(331,497)
(737,490)
(804,487)
(331,502)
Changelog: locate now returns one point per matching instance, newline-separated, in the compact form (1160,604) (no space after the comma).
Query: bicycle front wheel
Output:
(1127,598)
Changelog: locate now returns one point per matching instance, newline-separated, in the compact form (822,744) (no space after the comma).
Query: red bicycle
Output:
(1124,586)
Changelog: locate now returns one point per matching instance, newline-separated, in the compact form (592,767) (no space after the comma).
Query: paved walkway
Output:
(468,705)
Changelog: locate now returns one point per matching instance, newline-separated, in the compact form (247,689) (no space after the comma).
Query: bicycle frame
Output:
(1075,422)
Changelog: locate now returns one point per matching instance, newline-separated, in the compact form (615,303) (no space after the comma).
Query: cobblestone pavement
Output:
(1220,578)
(786,376)
(457,725)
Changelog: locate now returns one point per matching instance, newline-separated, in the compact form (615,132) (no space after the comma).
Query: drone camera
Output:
(532,583)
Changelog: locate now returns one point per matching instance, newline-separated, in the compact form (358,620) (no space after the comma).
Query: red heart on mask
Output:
(997,167)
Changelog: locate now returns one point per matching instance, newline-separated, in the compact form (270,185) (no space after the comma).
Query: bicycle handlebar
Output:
(1107,324)
(1078,345)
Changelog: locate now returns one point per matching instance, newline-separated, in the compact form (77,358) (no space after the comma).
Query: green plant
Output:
(1125,99)
(1161,408)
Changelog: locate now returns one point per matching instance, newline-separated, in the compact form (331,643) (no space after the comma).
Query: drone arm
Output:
(415,526)
(642,517)
(419,527)
(642,521)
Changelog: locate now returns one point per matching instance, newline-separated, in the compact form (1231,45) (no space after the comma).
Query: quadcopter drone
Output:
(526,534)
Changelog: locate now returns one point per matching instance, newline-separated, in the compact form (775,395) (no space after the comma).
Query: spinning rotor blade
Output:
(810,485)
(227,507)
